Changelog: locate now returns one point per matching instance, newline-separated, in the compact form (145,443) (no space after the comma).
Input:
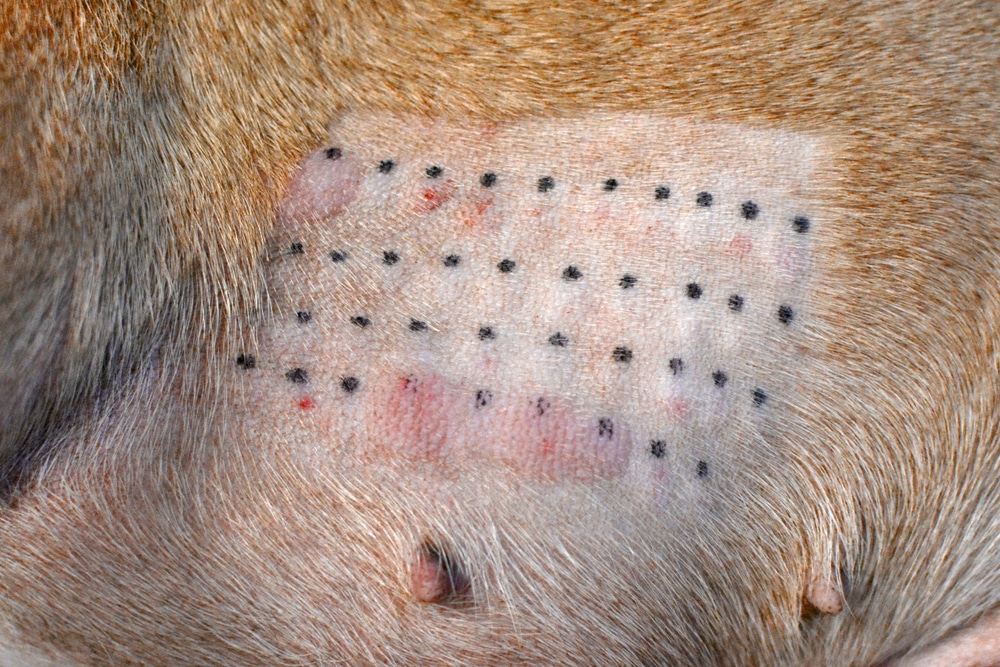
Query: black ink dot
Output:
(546,183)
(304,316)
(657,448)
(605,428)
(558,340)
(385,166)
(488,180)
(735,303)
(333,153)
(676,365)
(390,257)
(418,325)
(610,185)
(487,333)
(759,397)
(720,379)
(338,256)
(749,210)
(295,249)
(661,193)
(506,265)
(350,384)
(246,361)
(571,273)
(785,314)
(483,398)
(704,199)
(621,354)
(702,469)
(627,281)
(433,172)
(297,376)
(452,260)
(694,291)
(360,321)
(801,224)
(542,406)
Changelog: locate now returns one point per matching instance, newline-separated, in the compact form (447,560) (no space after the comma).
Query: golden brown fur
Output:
(142,151)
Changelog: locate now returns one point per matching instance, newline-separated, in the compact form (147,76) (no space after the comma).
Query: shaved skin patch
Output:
(563,301)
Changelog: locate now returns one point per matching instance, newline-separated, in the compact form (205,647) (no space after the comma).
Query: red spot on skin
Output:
(489,129)
(603,214)
(307,403)
(535,212)
(435,197)
(739,247)
(474,217)
(678,407)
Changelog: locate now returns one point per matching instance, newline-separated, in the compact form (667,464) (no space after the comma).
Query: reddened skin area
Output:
(144,151)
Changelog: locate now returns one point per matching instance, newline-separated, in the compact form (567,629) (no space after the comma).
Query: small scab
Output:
(452,261)
(622,354)
(662,193)
(417,325)
(571,273)
(702,469)
(295,248)
(542,406)
(350,384)
(385,166)
(719,379)
(611,185)
(390,257)
(657,448)
(506,265)
(749,210)
(627,281)
(338,256)
(558,340)
(360,321)
(800,224)
(735,303)
(303,316)
(546,184)
(785,314)
(694,291)
(605,428)
(704,199)
(434,171)
(333,153)
(297,376)
(246,361)
(487,333)
(488,180)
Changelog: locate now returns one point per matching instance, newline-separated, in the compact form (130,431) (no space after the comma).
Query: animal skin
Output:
(403,333)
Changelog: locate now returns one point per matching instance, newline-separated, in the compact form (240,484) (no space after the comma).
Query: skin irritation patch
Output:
(611,296)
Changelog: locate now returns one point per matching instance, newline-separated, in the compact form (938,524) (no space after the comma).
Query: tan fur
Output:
(142,151)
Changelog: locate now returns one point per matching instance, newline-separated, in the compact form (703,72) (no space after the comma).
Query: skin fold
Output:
(147,150)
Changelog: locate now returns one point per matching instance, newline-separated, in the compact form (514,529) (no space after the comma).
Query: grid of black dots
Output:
(749,210)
